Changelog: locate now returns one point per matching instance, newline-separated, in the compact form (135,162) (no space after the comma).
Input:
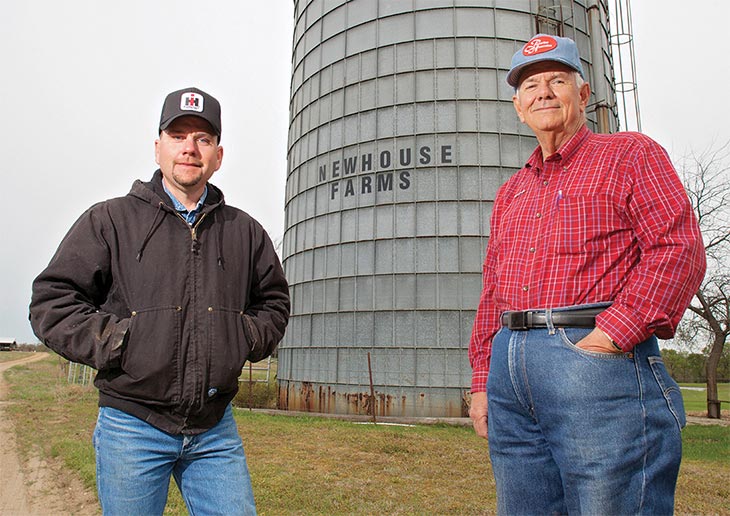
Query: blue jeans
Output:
(579,432)
(134,461)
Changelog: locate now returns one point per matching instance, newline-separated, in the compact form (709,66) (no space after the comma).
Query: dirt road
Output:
(36,487)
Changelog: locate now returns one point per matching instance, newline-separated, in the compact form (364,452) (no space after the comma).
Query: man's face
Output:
(188,153)
(548,99)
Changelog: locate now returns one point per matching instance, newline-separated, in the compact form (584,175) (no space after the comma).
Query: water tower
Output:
(401,130)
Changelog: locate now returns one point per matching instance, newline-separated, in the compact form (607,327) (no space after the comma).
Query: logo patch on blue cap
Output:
(538,45)
(191,101)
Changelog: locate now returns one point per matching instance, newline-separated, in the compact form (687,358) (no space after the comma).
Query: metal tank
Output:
(401,130)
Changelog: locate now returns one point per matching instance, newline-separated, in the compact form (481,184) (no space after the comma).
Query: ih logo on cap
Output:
(539,45)
(191,101)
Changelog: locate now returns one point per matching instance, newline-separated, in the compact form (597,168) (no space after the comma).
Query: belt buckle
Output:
(517,321)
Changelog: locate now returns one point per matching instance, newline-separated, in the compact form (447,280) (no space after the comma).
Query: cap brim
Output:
(165,124)
(513,77)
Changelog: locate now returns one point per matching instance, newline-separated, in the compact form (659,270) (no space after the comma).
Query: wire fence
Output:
(80,374)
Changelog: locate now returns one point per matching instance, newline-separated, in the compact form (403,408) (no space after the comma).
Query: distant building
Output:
(7,344)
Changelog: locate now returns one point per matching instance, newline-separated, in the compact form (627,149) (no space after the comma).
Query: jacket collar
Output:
(154,193)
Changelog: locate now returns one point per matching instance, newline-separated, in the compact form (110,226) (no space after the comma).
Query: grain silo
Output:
(401,130)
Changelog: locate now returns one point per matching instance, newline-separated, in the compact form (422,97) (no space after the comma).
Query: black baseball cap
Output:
(191,101)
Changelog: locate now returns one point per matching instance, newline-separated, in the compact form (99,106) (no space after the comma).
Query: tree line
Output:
(688,367)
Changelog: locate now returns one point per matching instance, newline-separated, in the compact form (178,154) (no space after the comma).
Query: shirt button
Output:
(538,215)
(525,288)
(212,392)
(545,183)
(532,249)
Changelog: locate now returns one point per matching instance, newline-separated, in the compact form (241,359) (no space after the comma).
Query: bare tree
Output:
(707,181)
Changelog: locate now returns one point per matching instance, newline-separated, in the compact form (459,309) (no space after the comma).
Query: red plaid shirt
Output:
(603,219)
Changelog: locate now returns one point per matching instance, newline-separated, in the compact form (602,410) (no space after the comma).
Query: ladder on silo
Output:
(624,65)
(611,107)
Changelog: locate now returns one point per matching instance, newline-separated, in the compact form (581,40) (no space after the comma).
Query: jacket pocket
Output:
(150,359)
(228,346)
(256,351)
(670,390)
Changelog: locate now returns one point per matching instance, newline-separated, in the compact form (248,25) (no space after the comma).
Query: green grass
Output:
(696,400)
(307,465)
(7,356)
(322,466)
(706,443)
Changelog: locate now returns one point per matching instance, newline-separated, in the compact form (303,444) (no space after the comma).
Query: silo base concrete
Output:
(388,401)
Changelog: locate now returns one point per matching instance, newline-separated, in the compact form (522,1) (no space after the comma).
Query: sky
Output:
(83,82)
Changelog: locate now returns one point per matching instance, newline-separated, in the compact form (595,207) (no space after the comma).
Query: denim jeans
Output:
(580,432)
(134,461)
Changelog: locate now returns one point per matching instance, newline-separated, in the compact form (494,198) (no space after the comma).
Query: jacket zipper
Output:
(194,250)
(194,231)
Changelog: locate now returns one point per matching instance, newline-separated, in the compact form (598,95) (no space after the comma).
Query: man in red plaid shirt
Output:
(593,253)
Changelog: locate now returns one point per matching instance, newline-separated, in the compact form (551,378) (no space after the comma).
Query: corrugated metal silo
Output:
(401,130)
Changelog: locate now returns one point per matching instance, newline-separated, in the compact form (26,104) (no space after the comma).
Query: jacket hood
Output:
(154,193)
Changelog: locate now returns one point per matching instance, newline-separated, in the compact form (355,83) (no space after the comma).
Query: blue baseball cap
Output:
(544,47)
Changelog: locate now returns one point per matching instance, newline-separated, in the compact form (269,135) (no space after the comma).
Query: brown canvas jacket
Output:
(166,312)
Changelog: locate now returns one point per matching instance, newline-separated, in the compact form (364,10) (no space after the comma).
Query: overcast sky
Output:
(83,82)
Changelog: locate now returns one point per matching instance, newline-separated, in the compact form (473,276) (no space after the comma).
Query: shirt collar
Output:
(564,153)
(189,216)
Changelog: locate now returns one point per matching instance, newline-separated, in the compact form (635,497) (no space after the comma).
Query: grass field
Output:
(9,356)
(695,396)
(308,465)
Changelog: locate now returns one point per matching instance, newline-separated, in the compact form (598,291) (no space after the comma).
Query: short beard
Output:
(187,181)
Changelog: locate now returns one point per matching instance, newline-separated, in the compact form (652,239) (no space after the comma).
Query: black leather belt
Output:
(529,319)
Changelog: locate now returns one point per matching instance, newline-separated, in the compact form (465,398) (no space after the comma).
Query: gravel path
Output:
(36,487)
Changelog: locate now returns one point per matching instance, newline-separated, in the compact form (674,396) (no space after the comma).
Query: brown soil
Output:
(700,418)
(36,486)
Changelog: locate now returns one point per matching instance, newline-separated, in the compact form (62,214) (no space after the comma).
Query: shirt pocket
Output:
(587,224)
